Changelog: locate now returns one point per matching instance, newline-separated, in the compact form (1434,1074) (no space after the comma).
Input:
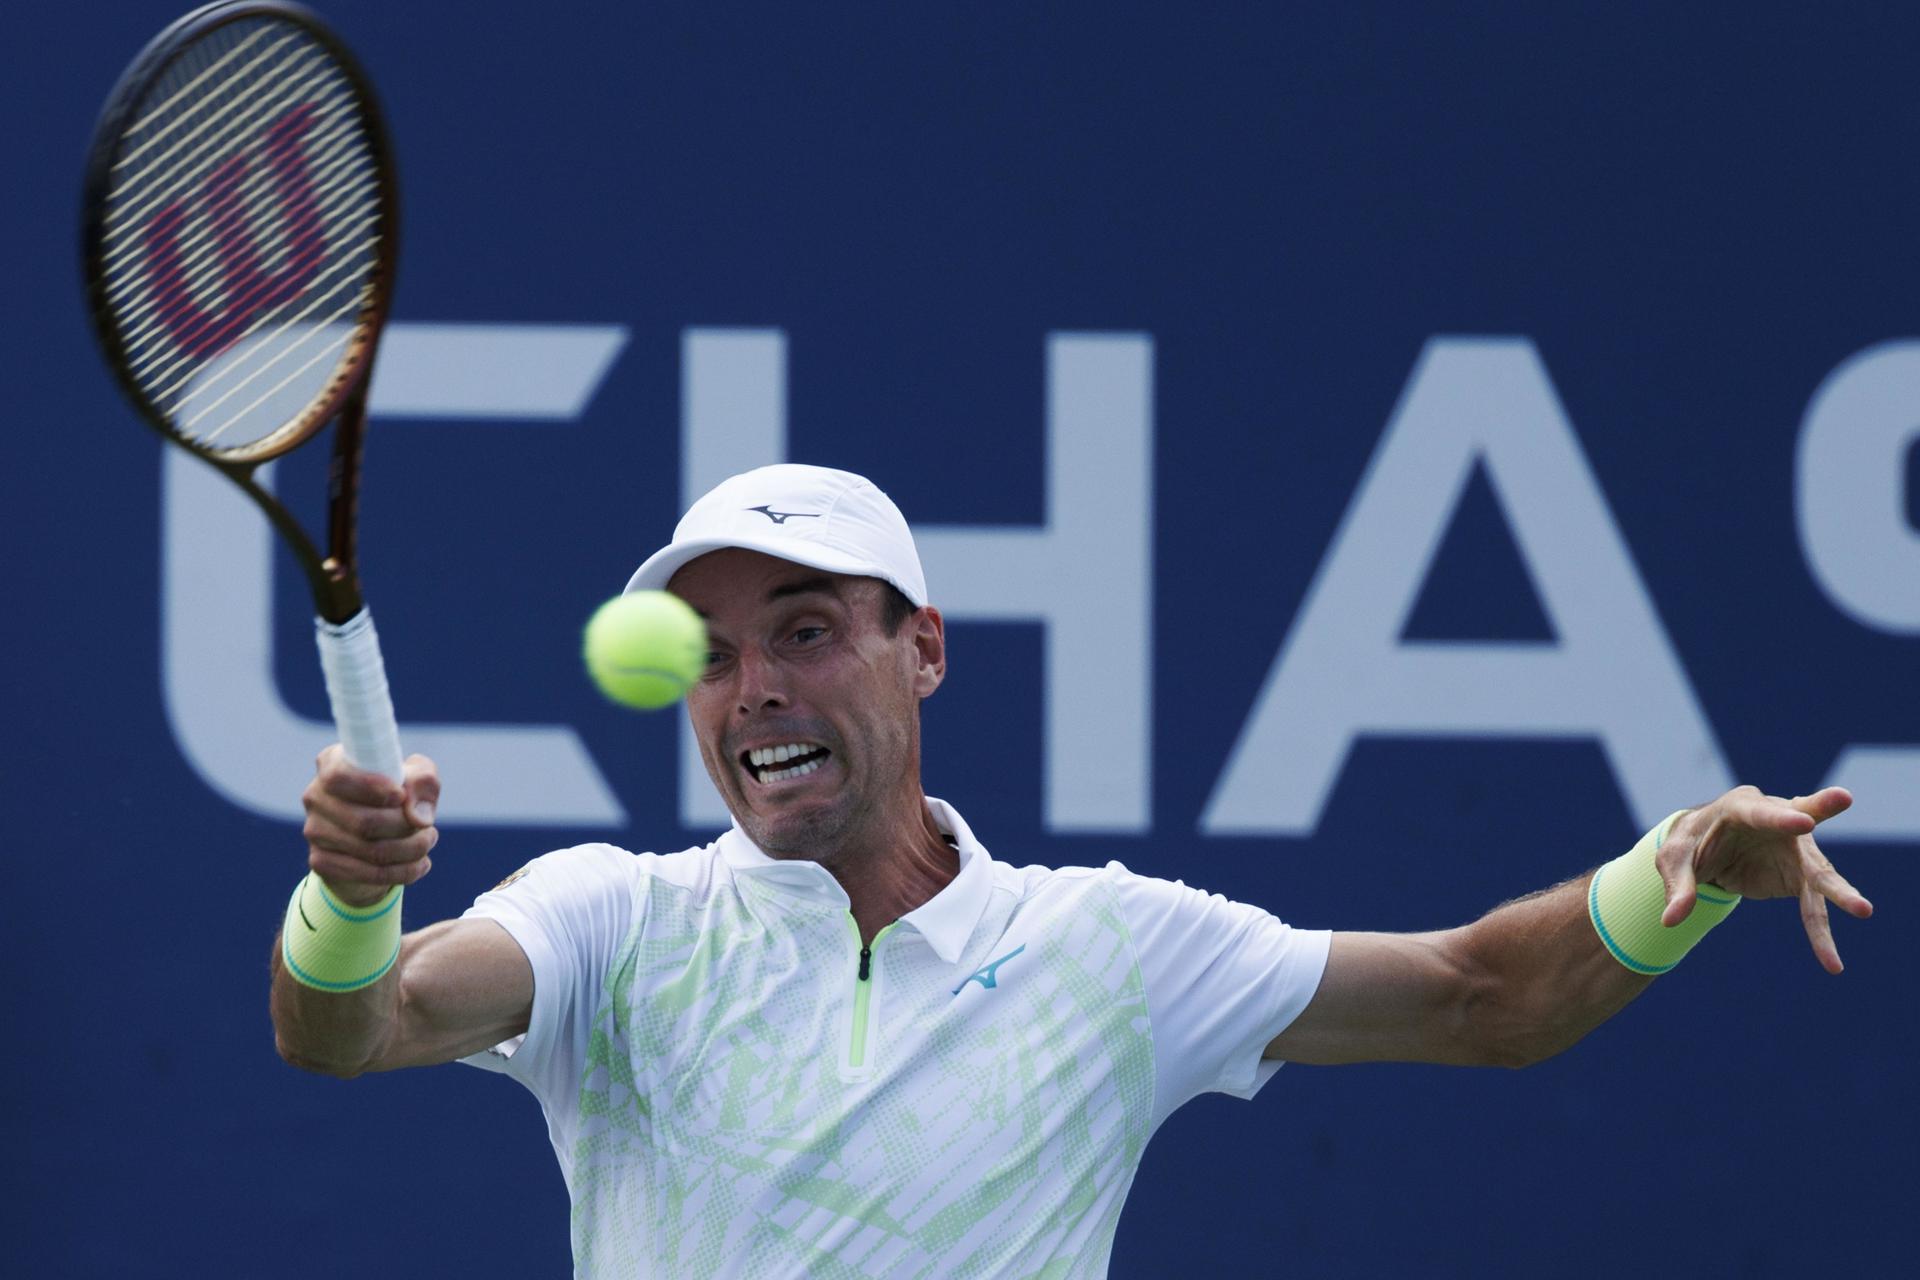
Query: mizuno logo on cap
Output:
(781,517)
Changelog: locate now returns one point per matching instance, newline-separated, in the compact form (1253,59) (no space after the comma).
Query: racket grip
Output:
(357,688)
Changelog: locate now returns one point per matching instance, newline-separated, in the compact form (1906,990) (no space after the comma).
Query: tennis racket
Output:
(239,238)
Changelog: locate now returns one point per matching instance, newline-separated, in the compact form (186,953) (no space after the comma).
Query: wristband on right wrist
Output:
(330,945)
(1627,897)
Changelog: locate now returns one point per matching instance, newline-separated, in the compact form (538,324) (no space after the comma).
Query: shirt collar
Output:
(797,876)
(946,920)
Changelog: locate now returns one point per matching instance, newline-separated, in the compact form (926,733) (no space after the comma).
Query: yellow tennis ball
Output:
(645,649)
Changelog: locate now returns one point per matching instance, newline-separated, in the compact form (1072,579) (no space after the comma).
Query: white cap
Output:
(816,516)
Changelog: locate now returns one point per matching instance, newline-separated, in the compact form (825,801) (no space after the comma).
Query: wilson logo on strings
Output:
(248,289)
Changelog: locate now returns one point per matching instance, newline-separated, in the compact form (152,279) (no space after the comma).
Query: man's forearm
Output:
(1532,977)
(335,1033)
(1543,978)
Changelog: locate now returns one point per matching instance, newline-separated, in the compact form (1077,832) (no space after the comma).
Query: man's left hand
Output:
(1761,846)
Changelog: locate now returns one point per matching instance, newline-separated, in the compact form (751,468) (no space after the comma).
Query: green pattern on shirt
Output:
(723,1134)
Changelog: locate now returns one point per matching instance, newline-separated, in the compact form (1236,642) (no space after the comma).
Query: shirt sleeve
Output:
(570,911)
(1222,979)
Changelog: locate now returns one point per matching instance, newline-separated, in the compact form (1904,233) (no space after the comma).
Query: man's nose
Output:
(761,682)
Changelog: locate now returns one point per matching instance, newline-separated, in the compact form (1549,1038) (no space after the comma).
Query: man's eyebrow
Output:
(821,585)
(806,586)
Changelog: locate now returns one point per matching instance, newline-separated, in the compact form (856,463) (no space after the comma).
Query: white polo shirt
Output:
(730,1097)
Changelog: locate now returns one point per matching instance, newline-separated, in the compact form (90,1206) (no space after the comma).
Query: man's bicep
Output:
(465,985)
(1384,997)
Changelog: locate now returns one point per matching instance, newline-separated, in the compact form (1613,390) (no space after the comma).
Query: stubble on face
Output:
(804,657)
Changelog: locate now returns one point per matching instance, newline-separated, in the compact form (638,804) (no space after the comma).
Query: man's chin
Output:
(808,830)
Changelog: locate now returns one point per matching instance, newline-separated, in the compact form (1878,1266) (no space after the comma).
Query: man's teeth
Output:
(762,758)
(798,771)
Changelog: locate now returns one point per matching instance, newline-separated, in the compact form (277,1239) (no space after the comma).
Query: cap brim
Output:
(659,568)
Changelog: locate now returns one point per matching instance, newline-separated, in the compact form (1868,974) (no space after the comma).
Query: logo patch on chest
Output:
(988,975)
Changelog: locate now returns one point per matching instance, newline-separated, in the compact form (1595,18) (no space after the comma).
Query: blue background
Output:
(1695,215)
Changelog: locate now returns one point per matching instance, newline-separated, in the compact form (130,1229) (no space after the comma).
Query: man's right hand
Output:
(468,984)
(366,833)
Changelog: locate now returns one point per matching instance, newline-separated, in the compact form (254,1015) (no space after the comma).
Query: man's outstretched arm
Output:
(455,987)
(1533,976)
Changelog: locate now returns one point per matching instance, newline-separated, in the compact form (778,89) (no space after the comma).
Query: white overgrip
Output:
(357,688)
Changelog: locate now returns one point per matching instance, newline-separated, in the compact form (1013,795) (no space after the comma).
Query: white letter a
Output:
(1345,671)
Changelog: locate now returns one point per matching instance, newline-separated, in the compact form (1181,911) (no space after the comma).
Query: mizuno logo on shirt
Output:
(987,976)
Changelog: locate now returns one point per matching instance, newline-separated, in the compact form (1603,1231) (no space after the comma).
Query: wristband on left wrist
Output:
(1628,896)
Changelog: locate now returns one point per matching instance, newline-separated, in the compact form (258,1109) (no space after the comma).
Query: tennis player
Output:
(846,1039)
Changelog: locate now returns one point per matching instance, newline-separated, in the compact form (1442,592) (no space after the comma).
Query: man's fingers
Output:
(1825,803)
(1813,915)
(422,785)
(366,832)
(1758,812)
(368,805)
(1833,887)
(1675,863)
(361,822)
(325,837)
(1762,846)
(337,869)
(337,776)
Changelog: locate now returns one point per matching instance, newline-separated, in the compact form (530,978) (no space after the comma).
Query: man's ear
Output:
(930,650)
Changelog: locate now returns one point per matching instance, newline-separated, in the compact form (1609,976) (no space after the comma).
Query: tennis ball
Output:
(645,649)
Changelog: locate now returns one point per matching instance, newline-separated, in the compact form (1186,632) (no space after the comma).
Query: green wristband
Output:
(331,946)
(1627,897)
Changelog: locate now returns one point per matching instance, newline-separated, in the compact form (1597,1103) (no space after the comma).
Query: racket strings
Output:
(191,232)
(163,118)
(339,187)
(242,233)
(204,375)
(239,114)
(329,328)
(284,143)
(337,180)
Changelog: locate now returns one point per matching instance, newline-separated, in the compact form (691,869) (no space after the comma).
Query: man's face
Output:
(800,661)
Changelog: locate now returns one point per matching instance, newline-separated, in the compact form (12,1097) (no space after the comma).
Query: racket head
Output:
(239,229)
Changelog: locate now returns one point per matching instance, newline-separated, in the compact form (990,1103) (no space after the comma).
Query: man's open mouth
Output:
(777,764)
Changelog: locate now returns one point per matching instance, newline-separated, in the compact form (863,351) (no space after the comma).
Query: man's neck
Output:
(898,869)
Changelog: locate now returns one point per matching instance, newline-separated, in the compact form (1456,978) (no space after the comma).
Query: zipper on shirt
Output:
(862,994)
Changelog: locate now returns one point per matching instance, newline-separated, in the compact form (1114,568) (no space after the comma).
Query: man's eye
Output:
(807,635)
